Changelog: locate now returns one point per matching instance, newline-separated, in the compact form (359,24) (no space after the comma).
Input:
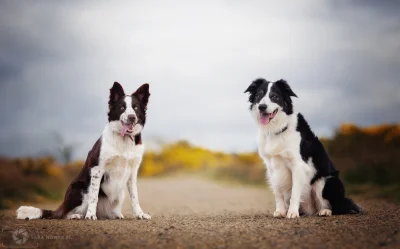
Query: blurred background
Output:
(58,61)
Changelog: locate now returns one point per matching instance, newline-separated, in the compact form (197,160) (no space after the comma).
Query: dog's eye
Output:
(135,107)
(122,108)
(259,95)
(274,97)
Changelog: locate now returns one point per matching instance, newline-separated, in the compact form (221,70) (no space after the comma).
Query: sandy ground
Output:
(197,213)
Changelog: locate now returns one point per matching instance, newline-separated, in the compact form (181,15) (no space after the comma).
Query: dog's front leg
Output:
(133,193)
(96,173)
(299,181)
(278,176)
(280,204)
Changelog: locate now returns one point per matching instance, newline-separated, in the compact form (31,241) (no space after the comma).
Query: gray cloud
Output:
(57,62)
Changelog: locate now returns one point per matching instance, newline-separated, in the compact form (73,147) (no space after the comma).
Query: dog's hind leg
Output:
(74,216)
(323,205)
(307,205)
(333,191)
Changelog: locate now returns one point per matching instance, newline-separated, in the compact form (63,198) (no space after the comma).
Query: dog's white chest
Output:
(120,156)
(285,146)
(273,146)
(116,175)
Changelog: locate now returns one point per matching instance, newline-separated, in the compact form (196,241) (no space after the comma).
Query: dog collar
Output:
(281,131)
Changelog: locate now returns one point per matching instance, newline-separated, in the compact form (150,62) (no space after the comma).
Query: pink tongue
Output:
(265,119)
(124,129)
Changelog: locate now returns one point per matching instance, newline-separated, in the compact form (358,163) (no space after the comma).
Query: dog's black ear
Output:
(143,94)
(116,92)
(255,85)
(284,86)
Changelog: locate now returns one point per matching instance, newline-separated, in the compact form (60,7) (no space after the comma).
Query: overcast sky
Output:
(59,59)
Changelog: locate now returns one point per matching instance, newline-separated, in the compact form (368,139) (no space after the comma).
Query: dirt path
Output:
(196,213)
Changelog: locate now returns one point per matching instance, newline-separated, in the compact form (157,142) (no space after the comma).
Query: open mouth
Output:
(127,128)
(266,117)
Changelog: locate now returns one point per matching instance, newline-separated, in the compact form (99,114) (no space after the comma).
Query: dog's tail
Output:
(346,206)
(32,213)
(334,192)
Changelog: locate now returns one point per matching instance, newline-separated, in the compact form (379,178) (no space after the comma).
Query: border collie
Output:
(299,171)
(113,163)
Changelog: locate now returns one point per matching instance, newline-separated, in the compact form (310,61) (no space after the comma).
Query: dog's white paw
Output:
(292,214)
(90,216)
(75,217)
(325,212)
(279,214)
(143,216)
(119,216)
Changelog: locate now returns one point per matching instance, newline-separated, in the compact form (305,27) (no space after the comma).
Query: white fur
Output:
(116,126)
(288,175)
(321,203)
(114,145)
(96,173)
(119,161)
(74,217)
(31,213)
(128,111)
(278,122)
(325,212)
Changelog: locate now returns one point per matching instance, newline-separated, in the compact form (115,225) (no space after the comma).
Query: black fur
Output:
(280,93)
(79,186)
(334,192)
(140,99)
(312,148)
(257,90)
(73,195)
(116,103)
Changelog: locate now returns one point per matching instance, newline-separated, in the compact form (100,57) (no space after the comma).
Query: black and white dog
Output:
(113,163)
(299,170)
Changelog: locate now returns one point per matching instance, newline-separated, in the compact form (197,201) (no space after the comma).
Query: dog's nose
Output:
(131,118)
(262,107)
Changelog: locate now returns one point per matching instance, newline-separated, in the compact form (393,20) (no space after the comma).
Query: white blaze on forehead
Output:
(269,89)
(128,101)
(266,99)
(129,110)
(271,106)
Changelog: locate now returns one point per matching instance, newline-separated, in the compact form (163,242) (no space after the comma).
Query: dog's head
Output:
(127,113)
(270,101)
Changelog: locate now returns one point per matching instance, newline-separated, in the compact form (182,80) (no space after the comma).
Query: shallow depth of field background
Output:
(58,61)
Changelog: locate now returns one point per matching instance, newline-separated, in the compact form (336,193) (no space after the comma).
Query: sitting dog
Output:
(299,171)
(98,191)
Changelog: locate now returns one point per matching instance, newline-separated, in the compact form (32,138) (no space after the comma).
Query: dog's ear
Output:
(284,86)
(143,94)
(255,85)
(252,89)
(116,92)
